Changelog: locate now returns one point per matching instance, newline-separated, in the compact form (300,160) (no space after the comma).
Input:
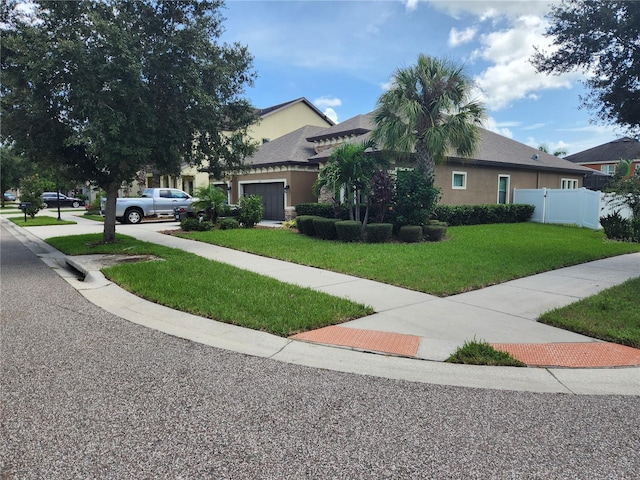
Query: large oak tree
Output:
(102,88)
(601,38)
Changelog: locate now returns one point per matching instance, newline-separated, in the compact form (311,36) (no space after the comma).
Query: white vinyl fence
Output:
(579,206)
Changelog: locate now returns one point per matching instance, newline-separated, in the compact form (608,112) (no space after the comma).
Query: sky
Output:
(341,55)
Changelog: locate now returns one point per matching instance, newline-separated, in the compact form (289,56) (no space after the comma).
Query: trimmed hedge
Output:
(305,225)
(349,231)
(411,233)
(481,214)
(191,224)
(324,210)
(378,232)
(325,228)
(434,231)
(228,223)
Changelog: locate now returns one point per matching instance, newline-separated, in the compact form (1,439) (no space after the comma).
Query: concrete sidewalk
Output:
(407,323)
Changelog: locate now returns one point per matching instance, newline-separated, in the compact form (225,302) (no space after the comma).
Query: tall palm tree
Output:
(428,112)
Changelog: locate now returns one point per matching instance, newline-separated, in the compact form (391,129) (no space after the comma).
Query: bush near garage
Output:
(191,224)
(250,210)
(228,223)
(305,225)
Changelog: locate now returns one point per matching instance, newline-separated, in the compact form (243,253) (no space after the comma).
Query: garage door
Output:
(272,198)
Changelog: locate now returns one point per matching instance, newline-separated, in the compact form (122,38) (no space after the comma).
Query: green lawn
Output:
(471,257)
(612,315)
(39,221)
(186,282)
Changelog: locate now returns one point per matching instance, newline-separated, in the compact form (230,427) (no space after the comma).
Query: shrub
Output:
(227,223)
(191,224)
(616,227)
(481,214)
(349,231)
(378,232)
(250,210)
(290,223)
(325,210)
(325,228)
(411,233)
(434,231)
(414,200)
(305,225)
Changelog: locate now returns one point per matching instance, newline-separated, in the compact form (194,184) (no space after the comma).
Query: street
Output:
(86,394)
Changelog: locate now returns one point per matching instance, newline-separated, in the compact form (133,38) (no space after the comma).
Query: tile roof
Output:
(493,149)
(623,148)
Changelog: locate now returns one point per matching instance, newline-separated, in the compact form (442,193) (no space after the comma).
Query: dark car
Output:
(9,197)
(50,199)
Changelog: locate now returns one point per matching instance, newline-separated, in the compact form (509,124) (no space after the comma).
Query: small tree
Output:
(30,190)
(626,186)
(250,210)
(415,198)
(210,201)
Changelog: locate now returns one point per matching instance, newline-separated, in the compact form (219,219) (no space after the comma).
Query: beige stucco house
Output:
(283,170)
(274,122)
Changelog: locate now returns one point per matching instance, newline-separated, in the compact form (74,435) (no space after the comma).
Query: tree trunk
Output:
(109,232)
(424,161)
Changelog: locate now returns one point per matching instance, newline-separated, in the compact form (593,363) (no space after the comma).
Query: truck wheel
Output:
(133,215)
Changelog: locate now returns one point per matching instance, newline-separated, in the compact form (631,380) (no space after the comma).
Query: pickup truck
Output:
(154,202)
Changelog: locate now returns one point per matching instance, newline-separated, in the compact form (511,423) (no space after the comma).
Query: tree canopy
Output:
(428,112)
(601,38)
(104,88)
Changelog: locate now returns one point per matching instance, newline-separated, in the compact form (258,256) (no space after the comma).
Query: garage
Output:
(272,198)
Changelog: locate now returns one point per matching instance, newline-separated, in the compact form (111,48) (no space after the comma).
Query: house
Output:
(605,158)
(274,122)
(284,169)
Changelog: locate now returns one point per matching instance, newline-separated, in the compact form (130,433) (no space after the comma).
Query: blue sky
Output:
(340,55)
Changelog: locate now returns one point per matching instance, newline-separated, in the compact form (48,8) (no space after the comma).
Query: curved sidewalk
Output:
(408,326)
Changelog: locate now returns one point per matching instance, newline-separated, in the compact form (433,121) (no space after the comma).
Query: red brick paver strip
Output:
(370,340)
(576,355)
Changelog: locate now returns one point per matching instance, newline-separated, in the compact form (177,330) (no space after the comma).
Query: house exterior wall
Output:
(281,122)
(635,165)
(482,182)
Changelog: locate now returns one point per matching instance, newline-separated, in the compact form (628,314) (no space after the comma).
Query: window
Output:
(568,183)
(459,180)
(608,169)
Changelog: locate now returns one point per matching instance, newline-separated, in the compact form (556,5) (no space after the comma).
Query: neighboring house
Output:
(285,169)
(274,122)
(605,158)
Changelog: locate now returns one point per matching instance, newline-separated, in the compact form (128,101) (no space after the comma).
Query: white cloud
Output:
(490,9)
(331,113)
(493,126)
(460,37)
(511,75)
(324,102)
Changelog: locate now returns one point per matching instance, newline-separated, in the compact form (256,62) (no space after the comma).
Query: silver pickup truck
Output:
(154,202)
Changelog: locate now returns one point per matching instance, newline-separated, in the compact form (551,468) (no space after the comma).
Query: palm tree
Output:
(210,200)
(428,112)
(350,170)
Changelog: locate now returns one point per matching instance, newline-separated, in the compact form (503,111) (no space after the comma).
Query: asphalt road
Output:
(86,394)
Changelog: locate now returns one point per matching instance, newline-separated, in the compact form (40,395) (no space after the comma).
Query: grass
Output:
(39,221)
(472,257)
(612,315)
(97,218)
(481,353)
(183,281)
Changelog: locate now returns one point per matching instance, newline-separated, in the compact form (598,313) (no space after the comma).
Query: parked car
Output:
(50,199)
(154,202)
(9,197)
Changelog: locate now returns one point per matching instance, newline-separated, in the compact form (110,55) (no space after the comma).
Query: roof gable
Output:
(265,112)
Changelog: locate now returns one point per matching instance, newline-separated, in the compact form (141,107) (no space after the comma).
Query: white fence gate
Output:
(579,206)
